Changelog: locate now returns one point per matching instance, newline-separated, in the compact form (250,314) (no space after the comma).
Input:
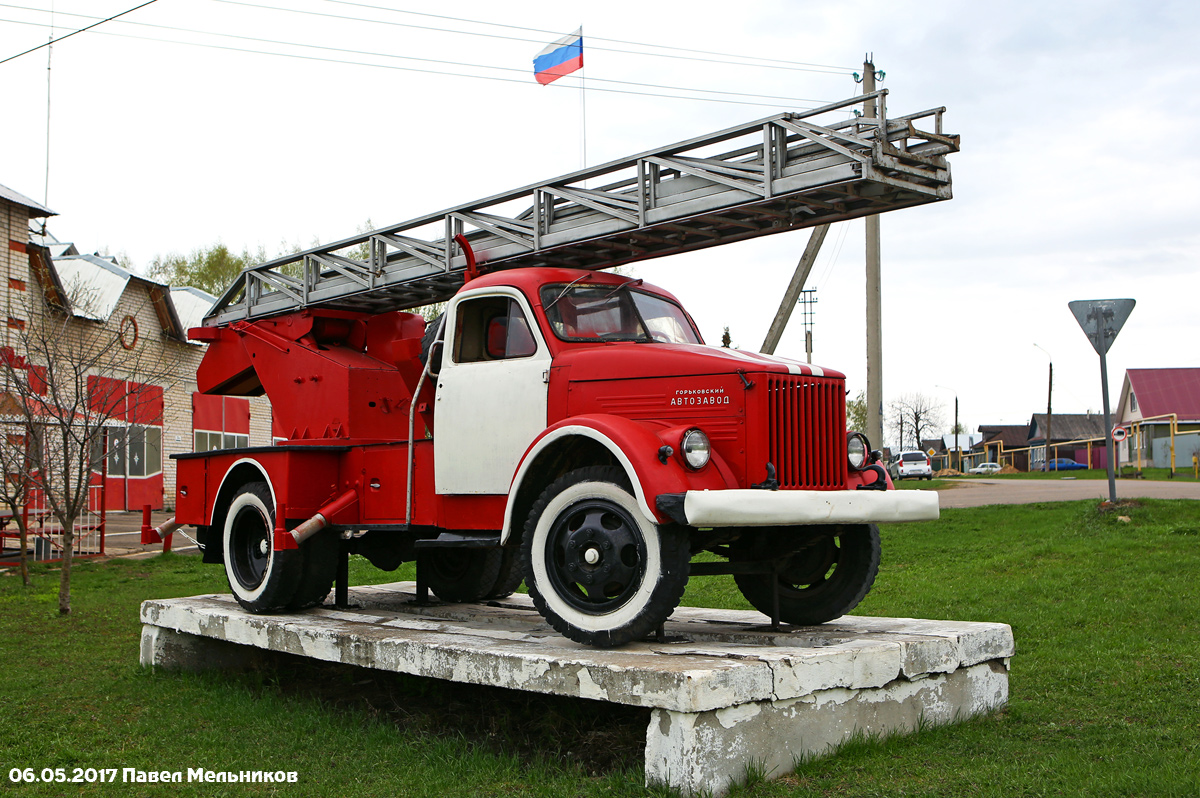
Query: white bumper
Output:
(718,508)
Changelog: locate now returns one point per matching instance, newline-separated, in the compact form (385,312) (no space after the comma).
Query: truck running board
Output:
(461,540)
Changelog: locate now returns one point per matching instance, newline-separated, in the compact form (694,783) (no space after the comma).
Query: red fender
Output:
(636,447)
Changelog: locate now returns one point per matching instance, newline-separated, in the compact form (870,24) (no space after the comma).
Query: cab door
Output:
(491,392)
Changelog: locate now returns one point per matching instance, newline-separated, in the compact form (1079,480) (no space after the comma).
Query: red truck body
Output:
(567,427)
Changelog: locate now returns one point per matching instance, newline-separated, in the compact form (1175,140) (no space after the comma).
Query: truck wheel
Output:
(262,579)
(597,570)
(319,556)
(509,578)
(824,576)
(461,575)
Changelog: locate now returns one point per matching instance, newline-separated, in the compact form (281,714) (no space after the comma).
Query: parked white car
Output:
(985,468)
(911,464)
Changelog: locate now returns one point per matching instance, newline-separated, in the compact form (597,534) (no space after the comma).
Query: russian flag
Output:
(561,57)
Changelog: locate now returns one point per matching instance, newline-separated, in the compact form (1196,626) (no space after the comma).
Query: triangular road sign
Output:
(1101,319)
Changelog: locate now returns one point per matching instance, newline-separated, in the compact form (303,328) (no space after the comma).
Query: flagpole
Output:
(582,108)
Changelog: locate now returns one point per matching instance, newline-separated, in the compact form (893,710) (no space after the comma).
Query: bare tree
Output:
(66,381)
(14,461)
(913,417)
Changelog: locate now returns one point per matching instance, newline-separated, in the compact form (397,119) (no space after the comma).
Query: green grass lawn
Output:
(1185,475)
(1105,687)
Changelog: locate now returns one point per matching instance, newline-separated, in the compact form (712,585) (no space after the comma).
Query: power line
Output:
(492,35)
(804,66)
(296,56)
(81,30)
(423,60)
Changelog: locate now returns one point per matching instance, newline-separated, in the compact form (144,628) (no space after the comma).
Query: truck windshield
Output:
(620,313)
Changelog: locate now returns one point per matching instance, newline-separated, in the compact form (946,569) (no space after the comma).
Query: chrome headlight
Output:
(695,449)
(858,450)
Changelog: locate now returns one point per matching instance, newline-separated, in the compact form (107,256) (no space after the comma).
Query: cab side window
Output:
(492,328)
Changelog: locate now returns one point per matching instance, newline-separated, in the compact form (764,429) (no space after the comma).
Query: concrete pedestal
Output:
(726,692)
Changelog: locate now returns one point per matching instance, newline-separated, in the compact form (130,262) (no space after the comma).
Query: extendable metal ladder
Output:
(784,172)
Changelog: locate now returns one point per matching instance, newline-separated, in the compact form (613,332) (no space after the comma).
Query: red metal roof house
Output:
(1148,398)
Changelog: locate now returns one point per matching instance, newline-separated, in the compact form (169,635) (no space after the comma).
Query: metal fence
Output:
(47,539)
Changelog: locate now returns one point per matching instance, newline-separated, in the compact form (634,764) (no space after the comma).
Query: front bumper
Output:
(738,507)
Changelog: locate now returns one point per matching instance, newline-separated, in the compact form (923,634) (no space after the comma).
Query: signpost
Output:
(1119,434)
(1101,320)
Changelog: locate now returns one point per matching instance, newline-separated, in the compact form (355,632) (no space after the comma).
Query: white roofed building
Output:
(102,299)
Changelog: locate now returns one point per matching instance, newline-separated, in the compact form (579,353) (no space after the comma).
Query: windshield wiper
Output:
(623,286)
(637,339)
(587,276)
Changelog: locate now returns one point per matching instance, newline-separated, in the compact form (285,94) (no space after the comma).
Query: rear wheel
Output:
(319,569)
(262,579)
(823,572)
(596,568)
(509,578)
(461,575)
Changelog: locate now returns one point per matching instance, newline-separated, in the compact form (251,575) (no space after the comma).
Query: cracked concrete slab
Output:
(726,689)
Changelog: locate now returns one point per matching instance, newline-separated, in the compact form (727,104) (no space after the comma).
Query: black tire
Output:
(433,332)
(461,575)
(319,569)
(597,570)
(261,579)
(827,571)
(510,575)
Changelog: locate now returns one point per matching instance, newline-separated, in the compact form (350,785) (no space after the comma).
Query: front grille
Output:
(806,428)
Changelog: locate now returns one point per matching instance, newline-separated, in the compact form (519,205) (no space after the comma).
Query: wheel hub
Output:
(250,548)
(596,558)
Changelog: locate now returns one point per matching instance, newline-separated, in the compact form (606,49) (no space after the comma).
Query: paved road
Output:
(978,492)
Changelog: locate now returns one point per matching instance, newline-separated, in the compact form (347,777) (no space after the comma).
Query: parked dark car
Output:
(1062,464)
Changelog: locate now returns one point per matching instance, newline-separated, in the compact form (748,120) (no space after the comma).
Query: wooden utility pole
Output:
(874,296)
(792,294)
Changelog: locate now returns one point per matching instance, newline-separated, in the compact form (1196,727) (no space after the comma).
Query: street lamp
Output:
(1049,396)
(954,431)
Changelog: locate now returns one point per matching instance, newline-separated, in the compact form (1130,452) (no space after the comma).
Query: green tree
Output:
(856,414)
(211,269)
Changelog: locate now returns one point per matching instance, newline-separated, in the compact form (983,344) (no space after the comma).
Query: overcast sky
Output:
(1077,177)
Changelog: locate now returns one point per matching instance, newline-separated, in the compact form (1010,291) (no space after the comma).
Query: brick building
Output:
(99,298)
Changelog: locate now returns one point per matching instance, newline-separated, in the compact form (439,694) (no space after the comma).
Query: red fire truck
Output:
(558,423)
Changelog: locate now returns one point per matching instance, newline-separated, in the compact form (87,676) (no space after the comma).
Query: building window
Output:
(1132,402)
(220,422)
(145,451)
(211,440)
(133,451)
